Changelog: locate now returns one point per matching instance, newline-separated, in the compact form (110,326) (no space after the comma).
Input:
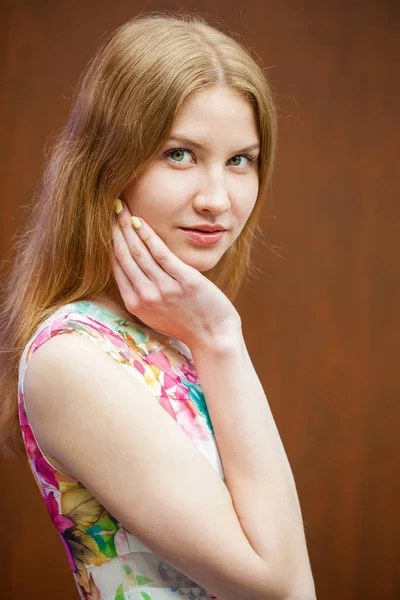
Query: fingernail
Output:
(118,206)
(135,222)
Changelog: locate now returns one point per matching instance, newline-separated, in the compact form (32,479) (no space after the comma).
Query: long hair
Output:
(123,111)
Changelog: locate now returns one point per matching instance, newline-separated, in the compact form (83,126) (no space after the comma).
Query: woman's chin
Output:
(200,263)
(200,258)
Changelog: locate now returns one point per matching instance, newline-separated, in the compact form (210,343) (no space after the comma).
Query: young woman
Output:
(119,325)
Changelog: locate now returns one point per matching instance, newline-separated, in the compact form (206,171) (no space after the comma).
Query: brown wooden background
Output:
(322,323)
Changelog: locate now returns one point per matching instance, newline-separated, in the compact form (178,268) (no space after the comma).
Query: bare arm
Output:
(124,440)
(256,467)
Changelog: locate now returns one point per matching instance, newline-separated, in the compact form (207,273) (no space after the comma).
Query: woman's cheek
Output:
(171,182)
(245,201)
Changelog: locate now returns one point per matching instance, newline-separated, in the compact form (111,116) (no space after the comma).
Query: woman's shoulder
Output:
(155,360)
(161,363)
(105,327)
(153,356)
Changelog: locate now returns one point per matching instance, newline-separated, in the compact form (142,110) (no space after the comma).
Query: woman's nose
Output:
(214,198)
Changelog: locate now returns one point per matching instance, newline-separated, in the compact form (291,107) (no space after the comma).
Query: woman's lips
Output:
(204,238)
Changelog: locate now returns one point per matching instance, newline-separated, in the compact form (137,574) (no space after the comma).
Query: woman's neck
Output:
(111,299)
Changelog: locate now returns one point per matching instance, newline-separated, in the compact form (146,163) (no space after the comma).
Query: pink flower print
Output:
(39,339)
(45,472)
(189,374)
(29,440)
(42,467)
(187,417)
(170,381)
(138,365)
(166,404)
(61,522)
(106,331)
(159,359)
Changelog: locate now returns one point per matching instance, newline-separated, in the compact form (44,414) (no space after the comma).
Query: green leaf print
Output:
(119,594)
(145,596)
(127,569)
(197,395)
(142,580)
(107,545)
(108,524)
(103,534)
(104,540)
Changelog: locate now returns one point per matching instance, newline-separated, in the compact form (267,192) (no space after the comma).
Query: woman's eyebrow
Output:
(180,139)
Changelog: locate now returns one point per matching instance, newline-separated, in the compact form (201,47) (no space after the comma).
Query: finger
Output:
(169,262)
(140,253)
(126,289)
(127,261)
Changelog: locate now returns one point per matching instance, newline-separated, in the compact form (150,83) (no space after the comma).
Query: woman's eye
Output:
(237,158)
(177,155)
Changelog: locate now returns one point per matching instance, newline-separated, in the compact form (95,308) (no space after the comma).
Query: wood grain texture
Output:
(322,322)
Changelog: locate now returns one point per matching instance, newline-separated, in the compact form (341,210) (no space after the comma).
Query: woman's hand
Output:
(166,293)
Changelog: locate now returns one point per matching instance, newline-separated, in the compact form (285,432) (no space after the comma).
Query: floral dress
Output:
(108,562)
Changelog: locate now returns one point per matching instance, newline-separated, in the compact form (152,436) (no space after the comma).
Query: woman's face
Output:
(202,176)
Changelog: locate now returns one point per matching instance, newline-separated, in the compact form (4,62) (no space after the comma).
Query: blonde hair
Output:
(124,109)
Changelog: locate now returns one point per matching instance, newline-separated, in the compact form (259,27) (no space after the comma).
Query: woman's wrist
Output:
(227,338)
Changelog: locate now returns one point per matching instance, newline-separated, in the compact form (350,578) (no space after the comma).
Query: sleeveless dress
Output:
(108,562)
